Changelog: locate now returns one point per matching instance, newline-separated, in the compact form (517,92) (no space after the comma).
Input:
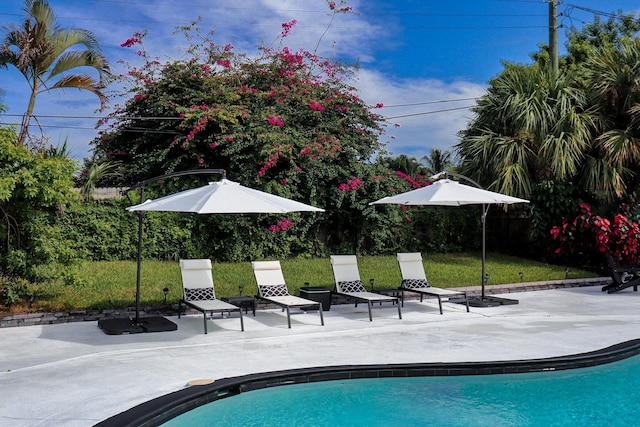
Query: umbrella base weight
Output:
(502,301)
(485,302)
(129,326)
(490,301)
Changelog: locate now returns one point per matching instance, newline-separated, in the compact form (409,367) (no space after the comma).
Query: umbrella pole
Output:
(140,223)
(484,244)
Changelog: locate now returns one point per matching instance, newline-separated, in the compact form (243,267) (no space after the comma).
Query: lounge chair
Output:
(414,279)
(348,283)
(272,288)
(199,294)
(623,277)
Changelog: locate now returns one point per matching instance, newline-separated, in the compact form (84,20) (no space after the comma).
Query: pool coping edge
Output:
(161,409)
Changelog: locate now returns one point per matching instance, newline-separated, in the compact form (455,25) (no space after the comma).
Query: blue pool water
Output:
(607,395)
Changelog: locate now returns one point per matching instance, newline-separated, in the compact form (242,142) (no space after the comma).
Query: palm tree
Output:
(95,173)
(43,52)
(437,161)
(531,125)
(613,77)
(407,164)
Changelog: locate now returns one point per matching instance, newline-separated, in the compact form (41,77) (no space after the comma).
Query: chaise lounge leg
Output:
(288,317)
(466,301)
(440,303)
(241,320)
(370,317)
(399,312)
(204,315)
(321,315)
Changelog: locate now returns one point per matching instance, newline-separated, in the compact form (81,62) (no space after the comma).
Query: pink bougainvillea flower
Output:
(352,184)
(287,26)
(136,38)
(224,63)
(283,225)
(128,42)
(276,121)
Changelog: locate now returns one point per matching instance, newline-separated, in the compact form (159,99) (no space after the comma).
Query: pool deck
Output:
(75,375)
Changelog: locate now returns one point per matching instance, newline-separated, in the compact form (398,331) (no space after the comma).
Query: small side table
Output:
(242,302)
(317,294)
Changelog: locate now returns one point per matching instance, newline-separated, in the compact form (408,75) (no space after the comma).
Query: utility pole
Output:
(553,36)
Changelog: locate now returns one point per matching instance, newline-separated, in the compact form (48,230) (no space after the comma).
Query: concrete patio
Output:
(75,375)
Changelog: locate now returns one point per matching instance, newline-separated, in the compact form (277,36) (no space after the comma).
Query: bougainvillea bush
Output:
(585,238)
(286,122)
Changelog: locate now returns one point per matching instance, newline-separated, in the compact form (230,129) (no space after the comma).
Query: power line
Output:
(587,9)
(50,126)
(431,102)
(320,11)
(173,118)
(171,132)
(42,116)
(208,7)
(429,112)
(268,24)
(121,129)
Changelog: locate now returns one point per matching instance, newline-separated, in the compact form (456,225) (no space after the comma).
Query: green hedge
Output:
(105,231)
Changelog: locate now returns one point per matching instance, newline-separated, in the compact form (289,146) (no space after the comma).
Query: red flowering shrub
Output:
(589,235)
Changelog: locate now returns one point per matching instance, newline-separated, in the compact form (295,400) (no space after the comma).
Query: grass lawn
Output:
(112,284)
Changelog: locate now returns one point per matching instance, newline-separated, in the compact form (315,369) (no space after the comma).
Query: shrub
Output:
(587,236)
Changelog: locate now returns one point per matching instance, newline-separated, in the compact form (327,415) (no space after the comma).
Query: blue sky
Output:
(425,60)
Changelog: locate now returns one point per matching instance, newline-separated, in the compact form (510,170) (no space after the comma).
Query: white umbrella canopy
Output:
(447,192)
(224,196)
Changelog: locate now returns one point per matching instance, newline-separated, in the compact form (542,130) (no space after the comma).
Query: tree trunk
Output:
(24,130)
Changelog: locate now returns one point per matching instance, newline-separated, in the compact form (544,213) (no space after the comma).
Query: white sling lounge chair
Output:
(348,283)
(199,294)
(272,288)
(414,279)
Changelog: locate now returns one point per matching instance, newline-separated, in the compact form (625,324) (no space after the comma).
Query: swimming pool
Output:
(442,391)
(596,396)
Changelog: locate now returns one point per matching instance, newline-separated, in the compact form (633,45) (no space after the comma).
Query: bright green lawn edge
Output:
(112,284)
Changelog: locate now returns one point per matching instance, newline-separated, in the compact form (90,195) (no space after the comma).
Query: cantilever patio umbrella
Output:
(224,196)
(446,192)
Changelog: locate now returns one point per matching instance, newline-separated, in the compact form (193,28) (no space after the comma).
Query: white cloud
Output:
(418,133)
